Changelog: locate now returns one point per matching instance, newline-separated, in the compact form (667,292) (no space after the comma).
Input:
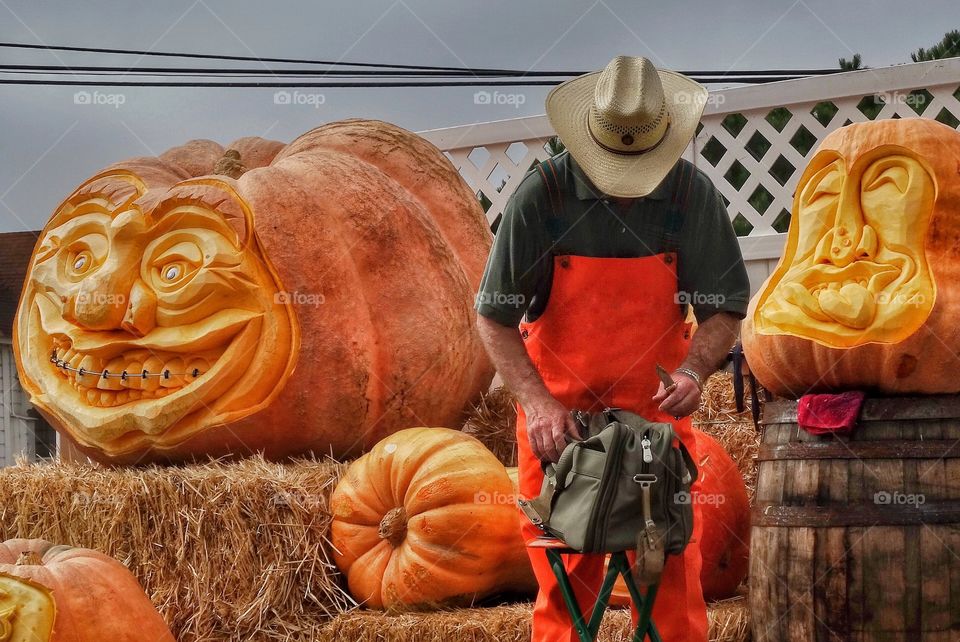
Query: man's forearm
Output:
(510,358)
(711,343)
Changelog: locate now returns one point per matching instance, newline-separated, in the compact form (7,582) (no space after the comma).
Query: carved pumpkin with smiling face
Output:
(864,294)
(315,296)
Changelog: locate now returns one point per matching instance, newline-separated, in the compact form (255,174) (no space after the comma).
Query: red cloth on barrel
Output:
(826,413)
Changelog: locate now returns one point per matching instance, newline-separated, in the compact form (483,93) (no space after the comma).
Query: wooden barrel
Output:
(858,537)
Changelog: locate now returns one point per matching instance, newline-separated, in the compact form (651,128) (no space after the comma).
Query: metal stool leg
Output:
(587,632)
(556,563)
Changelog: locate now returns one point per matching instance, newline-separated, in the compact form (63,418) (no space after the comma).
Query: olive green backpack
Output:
(626,484)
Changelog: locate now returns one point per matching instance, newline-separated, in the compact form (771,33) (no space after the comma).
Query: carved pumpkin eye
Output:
(80,263)
(173,272)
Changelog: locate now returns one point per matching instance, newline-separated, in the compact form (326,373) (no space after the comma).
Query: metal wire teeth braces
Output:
(122,376)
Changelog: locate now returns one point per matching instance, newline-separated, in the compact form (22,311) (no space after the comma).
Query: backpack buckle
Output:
(645,479)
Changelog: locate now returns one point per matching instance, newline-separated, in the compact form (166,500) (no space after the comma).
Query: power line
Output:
(385,69)
(175,54)
(331,84)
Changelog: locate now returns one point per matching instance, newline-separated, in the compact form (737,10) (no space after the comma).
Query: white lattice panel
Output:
(738,145)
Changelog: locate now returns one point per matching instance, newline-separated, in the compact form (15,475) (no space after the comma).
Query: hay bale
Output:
(226,551)
(493,422)
(718,417)
(728,622)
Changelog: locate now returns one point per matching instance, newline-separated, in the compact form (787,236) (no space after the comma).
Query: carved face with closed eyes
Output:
(150,314)
(854,270)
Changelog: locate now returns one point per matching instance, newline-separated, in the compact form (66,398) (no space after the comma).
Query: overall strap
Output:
(555,196)
(682,186)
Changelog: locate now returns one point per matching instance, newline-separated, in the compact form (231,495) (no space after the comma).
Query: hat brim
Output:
(625,175)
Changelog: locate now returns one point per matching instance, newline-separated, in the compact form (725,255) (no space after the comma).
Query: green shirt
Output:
(711,274)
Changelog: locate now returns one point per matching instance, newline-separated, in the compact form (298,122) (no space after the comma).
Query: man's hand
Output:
(680,399)
(548,424)
(547,419)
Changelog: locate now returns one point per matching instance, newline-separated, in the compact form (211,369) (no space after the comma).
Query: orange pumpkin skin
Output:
(911,346)
(330,304)
(90,597)
(428,517)
(725,519)
(725,515)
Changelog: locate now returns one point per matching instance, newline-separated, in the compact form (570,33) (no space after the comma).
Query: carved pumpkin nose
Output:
(851,238)
(102,305)
(98,305)
(141,314)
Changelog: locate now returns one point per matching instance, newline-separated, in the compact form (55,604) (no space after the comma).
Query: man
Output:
(602,248)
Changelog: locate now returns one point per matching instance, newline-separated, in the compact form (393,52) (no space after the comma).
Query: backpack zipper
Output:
(600,518)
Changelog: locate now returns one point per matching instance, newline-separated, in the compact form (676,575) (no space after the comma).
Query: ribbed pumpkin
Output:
(428,517)
(52,593)
(277,298)
(725,514)
(866,293)
(725,517)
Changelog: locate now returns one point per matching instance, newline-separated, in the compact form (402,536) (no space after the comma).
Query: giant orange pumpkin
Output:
(277,298)
(428,517)
(867,292)
(54,593)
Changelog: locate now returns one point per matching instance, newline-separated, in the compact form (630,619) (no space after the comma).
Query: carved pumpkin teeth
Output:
(165,376)
(152,364)
(133,381)
(112,383)
(173,373)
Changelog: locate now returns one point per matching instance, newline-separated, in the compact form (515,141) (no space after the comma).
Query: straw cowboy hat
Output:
(626,126)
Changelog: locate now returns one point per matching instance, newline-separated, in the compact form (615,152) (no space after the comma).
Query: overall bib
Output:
(607,323)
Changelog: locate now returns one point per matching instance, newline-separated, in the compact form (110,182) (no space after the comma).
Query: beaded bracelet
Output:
(693,375)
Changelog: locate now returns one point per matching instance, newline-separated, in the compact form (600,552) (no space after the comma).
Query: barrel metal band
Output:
(839,516)
(877,409)
(907,449)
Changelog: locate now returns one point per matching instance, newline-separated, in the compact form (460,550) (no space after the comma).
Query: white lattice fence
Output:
(753,141)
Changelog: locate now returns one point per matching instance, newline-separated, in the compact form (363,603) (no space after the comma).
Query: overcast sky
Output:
(49,143)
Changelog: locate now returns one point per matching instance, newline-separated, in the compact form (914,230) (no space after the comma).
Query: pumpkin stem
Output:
(230,165)
(393,526)
(29,558)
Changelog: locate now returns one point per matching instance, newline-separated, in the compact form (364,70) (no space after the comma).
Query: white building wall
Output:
(16,427)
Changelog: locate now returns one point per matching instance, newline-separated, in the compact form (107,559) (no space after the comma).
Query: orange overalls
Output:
(607,323)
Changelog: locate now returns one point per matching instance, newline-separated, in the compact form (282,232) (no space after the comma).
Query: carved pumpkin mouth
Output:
(109,369)
(134,375)
(107,373)
(846,295)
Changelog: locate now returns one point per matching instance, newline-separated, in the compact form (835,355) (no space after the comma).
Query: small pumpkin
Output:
(52,593)
(428,517)
(866,294)
(268,297)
